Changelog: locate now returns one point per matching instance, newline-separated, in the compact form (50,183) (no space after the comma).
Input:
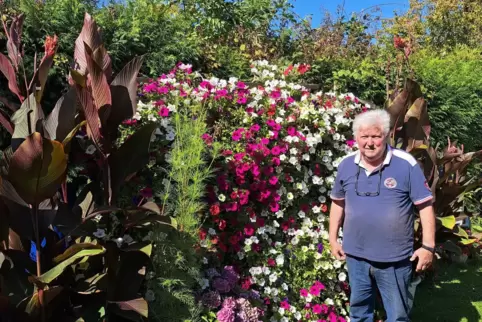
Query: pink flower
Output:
(317,308)
(273,180)
(164,112)
(285,305)
(304,292)
(275,150)
(255,128)
(350,143)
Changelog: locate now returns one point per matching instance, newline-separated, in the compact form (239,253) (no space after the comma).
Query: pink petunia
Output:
(164,112)
(304,292)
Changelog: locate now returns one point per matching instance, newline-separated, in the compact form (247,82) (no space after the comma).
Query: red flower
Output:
(222,224)
(246,283)
(271,262)
(214,210)
(303,68)
(50,45)
(249,230)
(202,234)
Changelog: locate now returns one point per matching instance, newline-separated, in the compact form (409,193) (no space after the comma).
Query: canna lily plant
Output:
(445,169)
(55,265)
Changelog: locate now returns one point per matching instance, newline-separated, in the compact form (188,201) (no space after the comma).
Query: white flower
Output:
(316,209)
(273,277)
(317,180)
(280,259)
(289,196)
(204,283)
(298,315)
(342,277)
(222,197)
(211,232)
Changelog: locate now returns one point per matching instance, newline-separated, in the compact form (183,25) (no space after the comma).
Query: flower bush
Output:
(264,235)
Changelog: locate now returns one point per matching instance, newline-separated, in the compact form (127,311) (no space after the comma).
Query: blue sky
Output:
(315,7)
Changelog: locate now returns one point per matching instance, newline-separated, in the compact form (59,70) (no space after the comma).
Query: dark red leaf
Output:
(124,95)
(13,42)
(7,69)
(100,88)
(6,123)
(90,36)
(91,114)
(61,120)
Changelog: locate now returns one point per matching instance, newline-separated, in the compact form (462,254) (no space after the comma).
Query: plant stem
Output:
(34,209)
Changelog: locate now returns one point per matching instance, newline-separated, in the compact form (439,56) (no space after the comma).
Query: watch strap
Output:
(430,249)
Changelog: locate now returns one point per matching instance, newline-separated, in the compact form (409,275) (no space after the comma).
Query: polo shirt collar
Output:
(386,161)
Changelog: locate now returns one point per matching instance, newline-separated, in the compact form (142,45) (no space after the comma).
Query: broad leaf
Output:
(55,272)
(402,102)
(124,95)
(90,36)
(131,156)
(37,168)
(451,247)
(40,77)
(9,72)
(33,305)
(93,284)
(62,118)
(13,43)
(25,120)
(144,247)
(100,88)
(6,123)
(138,305)
(448,222)
(469,241)
(91,115)
(74,249)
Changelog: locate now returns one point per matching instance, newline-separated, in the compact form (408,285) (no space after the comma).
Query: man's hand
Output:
(337,251)
(425,258)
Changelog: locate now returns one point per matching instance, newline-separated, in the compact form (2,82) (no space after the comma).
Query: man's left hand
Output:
(425,258)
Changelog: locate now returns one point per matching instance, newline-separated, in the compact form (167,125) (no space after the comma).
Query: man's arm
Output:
(336,218)
(427,218)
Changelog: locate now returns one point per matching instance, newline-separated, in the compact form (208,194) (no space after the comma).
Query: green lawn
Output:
(454,296)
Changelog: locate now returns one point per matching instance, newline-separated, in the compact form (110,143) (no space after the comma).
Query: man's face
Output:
(371,143)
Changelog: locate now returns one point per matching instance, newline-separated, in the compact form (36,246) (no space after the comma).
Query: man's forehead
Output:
(372,129)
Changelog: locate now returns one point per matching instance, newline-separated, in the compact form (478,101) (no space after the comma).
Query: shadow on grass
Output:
(454,295)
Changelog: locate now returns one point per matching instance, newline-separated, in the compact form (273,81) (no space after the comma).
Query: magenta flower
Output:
(164,112)
(273,180)
(317,308)
(304,292)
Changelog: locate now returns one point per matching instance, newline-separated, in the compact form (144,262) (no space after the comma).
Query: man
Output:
(374,193)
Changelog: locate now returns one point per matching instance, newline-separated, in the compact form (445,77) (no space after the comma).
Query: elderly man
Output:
(374,195)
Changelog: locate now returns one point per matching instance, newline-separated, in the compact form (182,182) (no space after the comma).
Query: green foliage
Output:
(454,87)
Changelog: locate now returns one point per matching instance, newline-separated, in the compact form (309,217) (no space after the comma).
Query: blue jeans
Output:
(393,281)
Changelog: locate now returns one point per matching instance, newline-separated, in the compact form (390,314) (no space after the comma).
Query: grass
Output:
(455,295)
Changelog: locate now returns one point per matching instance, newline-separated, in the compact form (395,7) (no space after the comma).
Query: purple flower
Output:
(230,275)
(211,299)
(221,285)
(320,248)
(212,272)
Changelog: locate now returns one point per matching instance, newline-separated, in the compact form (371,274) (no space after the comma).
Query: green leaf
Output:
(448,222)
(461,233)
(144,247)
(469,241)
(55,272)
(37,168)
(74,249)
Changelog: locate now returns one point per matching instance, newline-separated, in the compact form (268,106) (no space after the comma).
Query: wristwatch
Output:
(430,249)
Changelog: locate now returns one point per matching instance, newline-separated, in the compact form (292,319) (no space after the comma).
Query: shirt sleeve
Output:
(420,191)
(338,193)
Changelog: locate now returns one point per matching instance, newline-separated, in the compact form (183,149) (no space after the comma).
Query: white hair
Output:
(374,118)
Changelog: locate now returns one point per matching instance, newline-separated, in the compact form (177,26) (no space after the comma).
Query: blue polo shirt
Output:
(380,227)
